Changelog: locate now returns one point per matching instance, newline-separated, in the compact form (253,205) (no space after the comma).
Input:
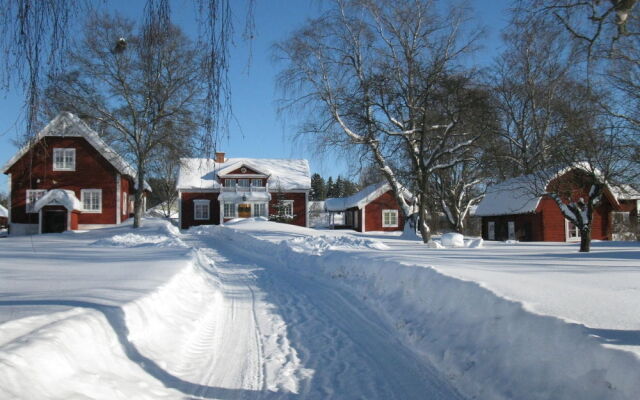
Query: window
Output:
(32,197)
(389,218)
(124,204)
(491,230)
(229,210)
(573,233)
(287,207)
(91,200)
(243,182)
(201,209)
(260,210)
(64,159)
(230,182)
(257,183)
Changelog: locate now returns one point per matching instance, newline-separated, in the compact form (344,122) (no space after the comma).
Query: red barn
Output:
(68,178)
(510,211)
(214,191)
(374,208)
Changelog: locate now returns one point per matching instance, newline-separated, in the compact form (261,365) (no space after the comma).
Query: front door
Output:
(491,230)
(511,227)
(54,221)
(244,210)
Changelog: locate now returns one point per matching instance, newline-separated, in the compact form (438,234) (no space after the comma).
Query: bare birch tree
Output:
(143,94)
(367,71)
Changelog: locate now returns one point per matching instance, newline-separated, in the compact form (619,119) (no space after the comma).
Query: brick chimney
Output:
(219,157)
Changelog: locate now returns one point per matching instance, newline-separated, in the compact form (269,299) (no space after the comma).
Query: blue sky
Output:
(257,131)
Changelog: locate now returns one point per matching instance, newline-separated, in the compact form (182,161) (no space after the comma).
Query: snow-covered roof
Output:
(4,212)
(518,195)
(62,197)
(625,192)
(360,199)
(513,196)
(202,173)
(67,124)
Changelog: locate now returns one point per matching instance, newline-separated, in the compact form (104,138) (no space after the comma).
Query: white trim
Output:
(198,202)
(567,237)
(511,230)
(221,213)
(235,210)
(125,206)
(40,222)
(306,209)
(64,151)
(362,218)
(395,214)
(118,201)
(27,202)
(287,201)
(179,209)
(223,173)
(82,193)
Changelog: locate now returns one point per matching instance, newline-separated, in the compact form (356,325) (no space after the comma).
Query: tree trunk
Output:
(139,201)
(585,240)
(424,228)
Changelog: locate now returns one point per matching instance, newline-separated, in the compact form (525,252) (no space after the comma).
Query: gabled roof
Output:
(235,166)
(66,198)
(517,195)
(202,173)
(362,198)
(67,124)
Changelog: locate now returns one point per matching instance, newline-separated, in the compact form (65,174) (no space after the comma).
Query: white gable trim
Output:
(227,170)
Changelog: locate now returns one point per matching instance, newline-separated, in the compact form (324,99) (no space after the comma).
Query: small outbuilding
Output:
(374,208)
(511,211)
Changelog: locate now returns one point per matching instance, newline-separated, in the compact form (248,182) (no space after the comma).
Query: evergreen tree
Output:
(331,190)
(318,188)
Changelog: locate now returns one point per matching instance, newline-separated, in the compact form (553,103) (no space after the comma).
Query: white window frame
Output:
(491,230)
(198,204)
(257,182)
(246,181)
(84,193)
(230,183)
(68,159)
(29,202)
(288,203)
(124,204)
(256,207)
(390,213)
(229,207)
(567,231)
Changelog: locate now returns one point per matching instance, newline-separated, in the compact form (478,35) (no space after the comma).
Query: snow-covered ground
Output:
(264,310)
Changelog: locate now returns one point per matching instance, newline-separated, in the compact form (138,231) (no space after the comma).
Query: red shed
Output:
(510,211)
(374,208)
(68,178)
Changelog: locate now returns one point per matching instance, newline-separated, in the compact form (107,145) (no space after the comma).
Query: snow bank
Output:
(492,348)
(165,235)
(452,239)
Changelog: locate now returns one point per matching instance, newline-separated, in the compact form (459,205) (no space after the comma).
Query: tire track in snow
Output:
(351,350)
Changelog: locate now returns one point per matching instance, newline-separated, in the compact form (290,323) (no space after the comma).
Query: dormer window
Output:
(64,159)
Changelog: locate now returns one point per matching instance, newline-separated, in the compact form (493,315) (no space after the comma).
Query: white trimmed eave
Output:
(226,170)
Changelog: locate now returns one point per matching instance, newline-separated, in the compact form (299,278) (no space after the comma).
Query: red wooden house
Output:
(68,178)
(214,191)
(510,211)
(374,208)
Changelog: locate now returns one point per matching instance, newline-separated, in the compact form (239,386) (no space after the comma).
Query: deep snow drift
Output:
(263,310)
